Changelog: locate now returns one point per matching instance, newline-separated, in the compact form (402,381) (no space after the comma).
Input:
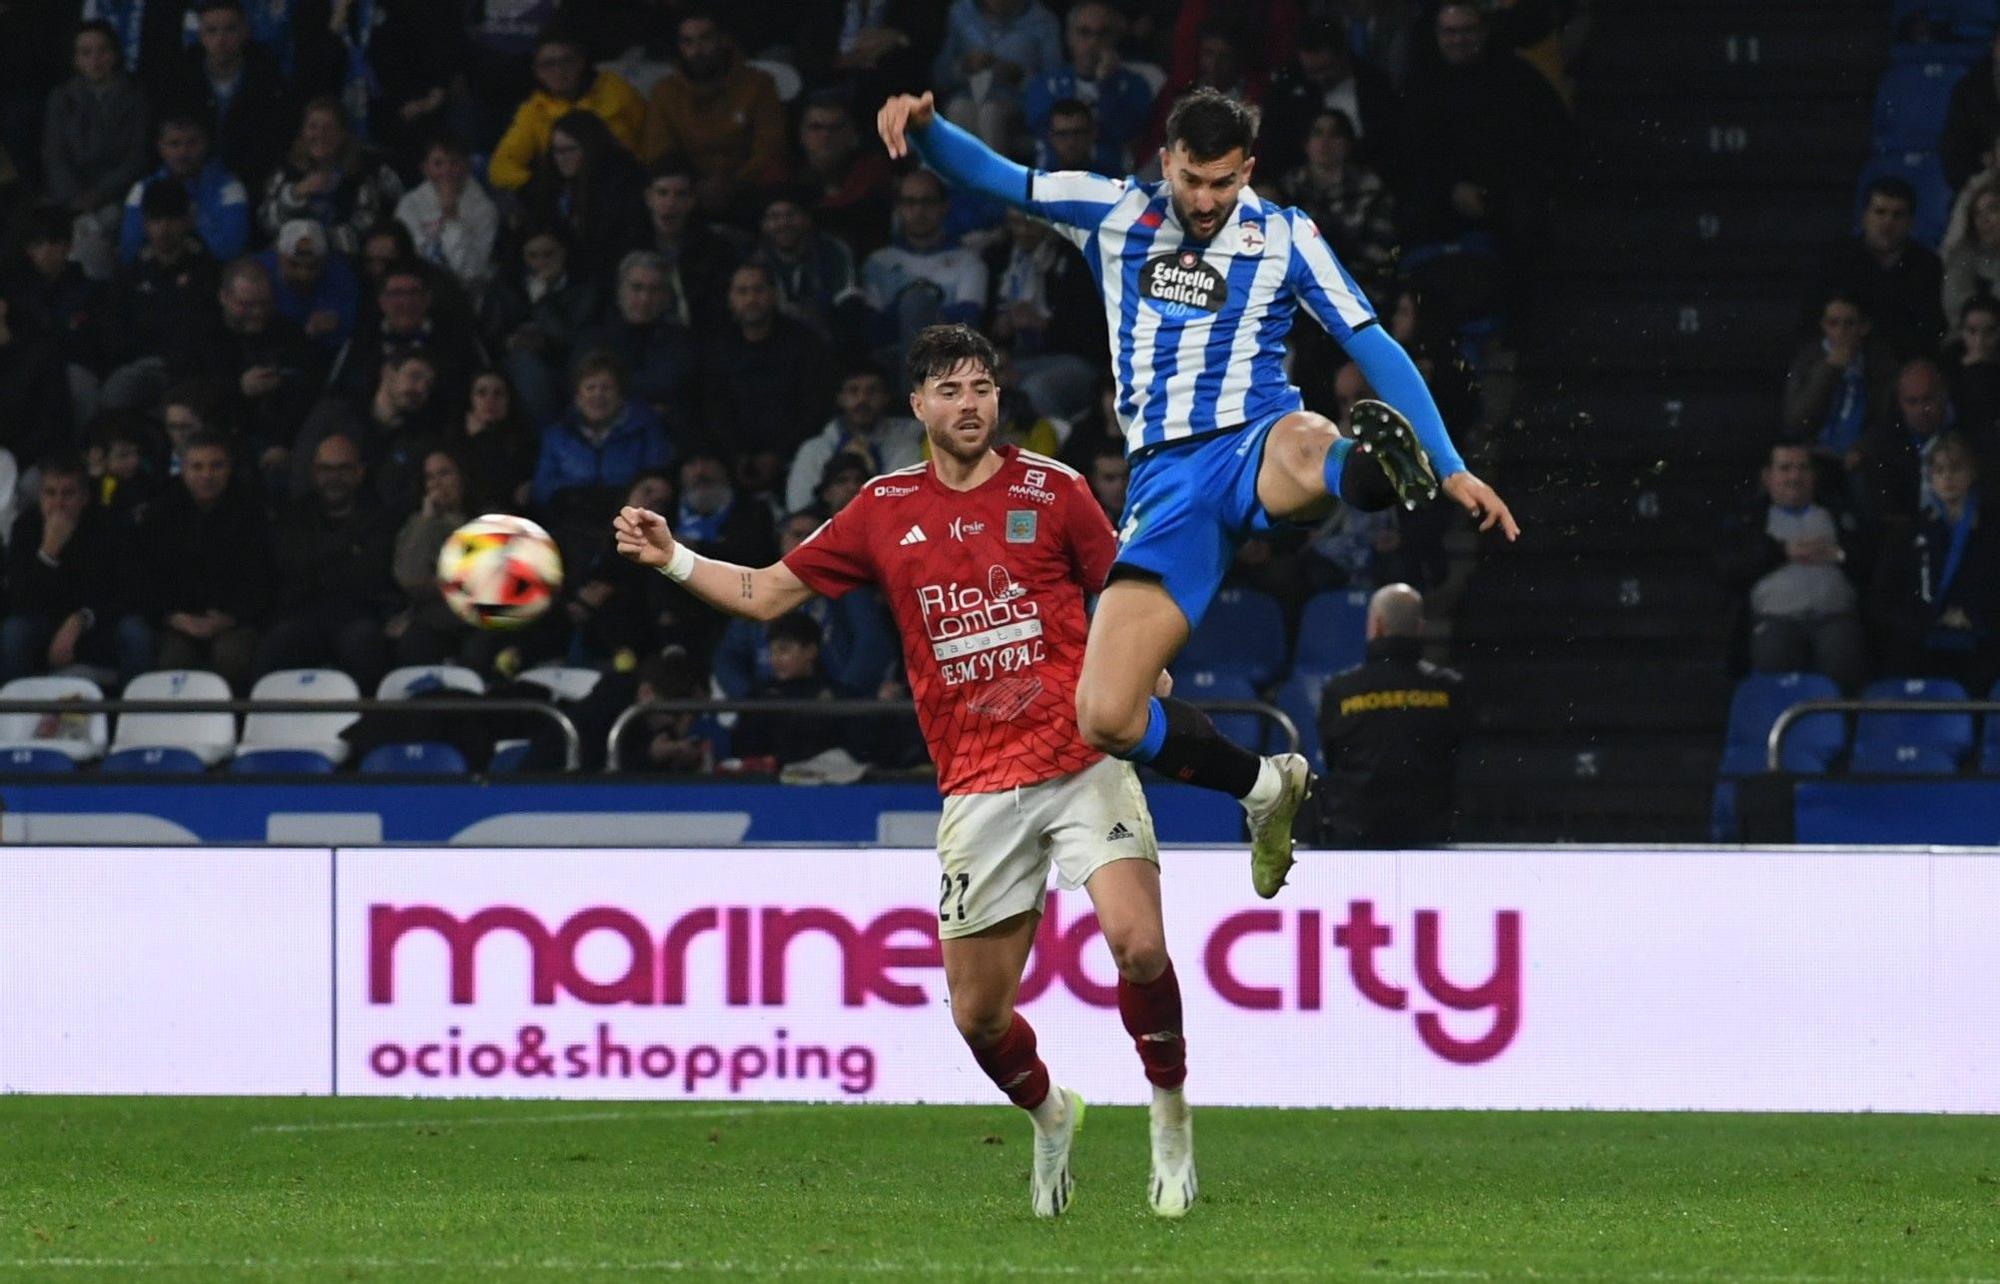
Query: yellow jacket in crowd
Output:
(608,97)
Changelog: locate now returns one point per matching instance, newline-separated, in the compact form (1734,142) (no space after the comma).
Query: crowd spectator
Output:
(862,427)
(815,273)
(68,584)
(217,200)
(1325,76)
(993,50)
(207,575)
(409,318)
(657,351)
(1110,477)
(564,82)
(235,86)
(394,425)
(334,592)
(1797,563)
(590,187)
(270,368)
(1348,202)
(315,285)
(592,453)
(1898,281)
(1494,136)
(1973,367)
(1046,312)
(1890,479)
(47,294)
(1200,24)
(1972,266)
(423,630)
(863,52)
(719,115)
(850,183)
(168,286)
(1972,118)
(764,379)
(1093,75)
(1936,597)
(534,313)
(496,442)
(1839,384)
(1071,140)
(923,278)
(619,610)
(451,219)
(331,178)
(699,256)
(94,142)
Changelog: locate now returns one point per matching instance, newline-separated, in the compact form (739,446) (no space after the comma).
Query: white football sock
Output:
(1169,1104)
(1269,785)
(1052,1111)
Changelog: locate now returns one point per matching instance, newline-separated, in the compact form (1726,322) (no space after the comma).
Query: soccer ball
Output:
(499,572)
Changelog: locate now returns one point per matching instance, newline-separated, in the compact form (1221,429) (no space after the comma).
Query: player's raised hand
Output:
(643,537)
(898,116)
(1482,503)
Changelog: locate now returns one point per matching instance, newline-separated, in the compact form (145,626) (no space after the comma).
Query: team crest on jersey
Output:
(1250,237)
(1020,526)
(1180,285)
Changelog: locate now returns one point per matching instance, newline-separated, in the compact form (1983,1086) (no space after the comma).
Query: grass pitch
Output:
(207,1189)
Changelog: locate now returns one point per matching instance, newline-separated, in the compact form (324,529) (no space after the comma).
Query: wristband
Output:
(681,565)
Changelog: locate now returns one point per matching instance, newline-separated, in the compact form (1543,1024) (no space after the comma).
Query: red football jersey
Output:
(987,586)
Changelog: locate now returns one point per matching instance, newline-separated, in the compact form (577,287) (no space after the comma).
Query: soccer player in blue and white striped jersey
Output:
(1202,279)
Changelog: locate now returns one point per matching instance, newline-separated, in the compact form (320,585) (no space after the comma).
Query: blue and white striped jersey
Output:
(1198,330)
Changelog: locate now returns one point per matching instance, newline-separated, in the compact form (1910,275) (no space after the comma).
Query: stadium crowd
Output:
(1863,555)
(292,288)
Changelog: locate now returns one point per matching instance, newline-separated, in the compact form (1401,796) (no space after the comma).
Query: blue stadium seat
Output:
(1246,729)
(509,757)
(1243,632)
(281,762)
(156,760)
(1910,103)
(1902,743)
(418,758)
(1921,170)
(1299,698)
(1811,743)
(1333,632)
(29,761)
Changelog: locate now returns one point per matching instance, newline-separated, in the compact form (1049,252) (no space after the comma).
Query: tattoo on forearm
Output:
(749,587)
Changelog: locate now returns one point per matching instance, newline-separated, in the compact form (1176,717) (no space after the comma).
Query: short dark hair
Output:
(864,368)
(208,438)
(209,6)
(1896,189)
(446,141)
(596,362)
(672,165)
(404,265)
(940,349)
(1071,107)
(180,120)
(797,627)
(1210,124)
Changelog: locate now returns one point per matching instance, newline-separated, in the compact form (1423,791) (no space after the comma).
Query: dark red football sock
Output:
(1152,1013)
(1011,1063)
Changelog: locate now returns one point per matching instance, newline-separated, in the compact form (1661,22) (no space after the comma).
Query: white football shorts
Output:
(996,849)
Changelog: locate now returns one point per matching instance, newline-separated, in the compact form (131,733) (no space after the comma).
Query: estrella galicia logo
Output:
(1180,285)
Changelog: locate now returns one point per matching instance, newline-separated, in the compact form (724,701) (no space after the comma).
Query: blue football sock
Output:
(1149,744)
(1336,464)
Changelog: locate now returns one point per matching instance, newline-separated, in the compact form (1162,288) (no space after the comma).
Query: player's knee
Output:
(1302,440)
(980,1022)
(1108,725)
(1140,954)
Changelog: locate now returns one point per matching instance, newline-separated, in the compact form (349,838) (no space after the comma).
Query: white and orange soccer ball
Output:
(499,572)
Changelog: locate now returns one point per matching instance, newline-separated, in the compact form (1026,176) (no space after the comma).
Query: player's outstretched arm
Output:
(908,121)
(763,593)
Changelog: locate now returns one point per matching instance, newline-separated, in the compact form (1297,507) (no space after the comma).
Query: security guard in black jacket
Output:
(1391,729)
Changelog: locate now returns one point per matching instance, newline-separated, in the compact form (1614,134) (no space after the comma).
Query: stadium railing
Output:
(572,740)
(1774,744)
(876,709)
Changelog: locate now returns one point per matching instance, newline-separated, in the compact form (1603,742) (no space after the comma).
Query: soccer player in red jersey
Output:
(986,554)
